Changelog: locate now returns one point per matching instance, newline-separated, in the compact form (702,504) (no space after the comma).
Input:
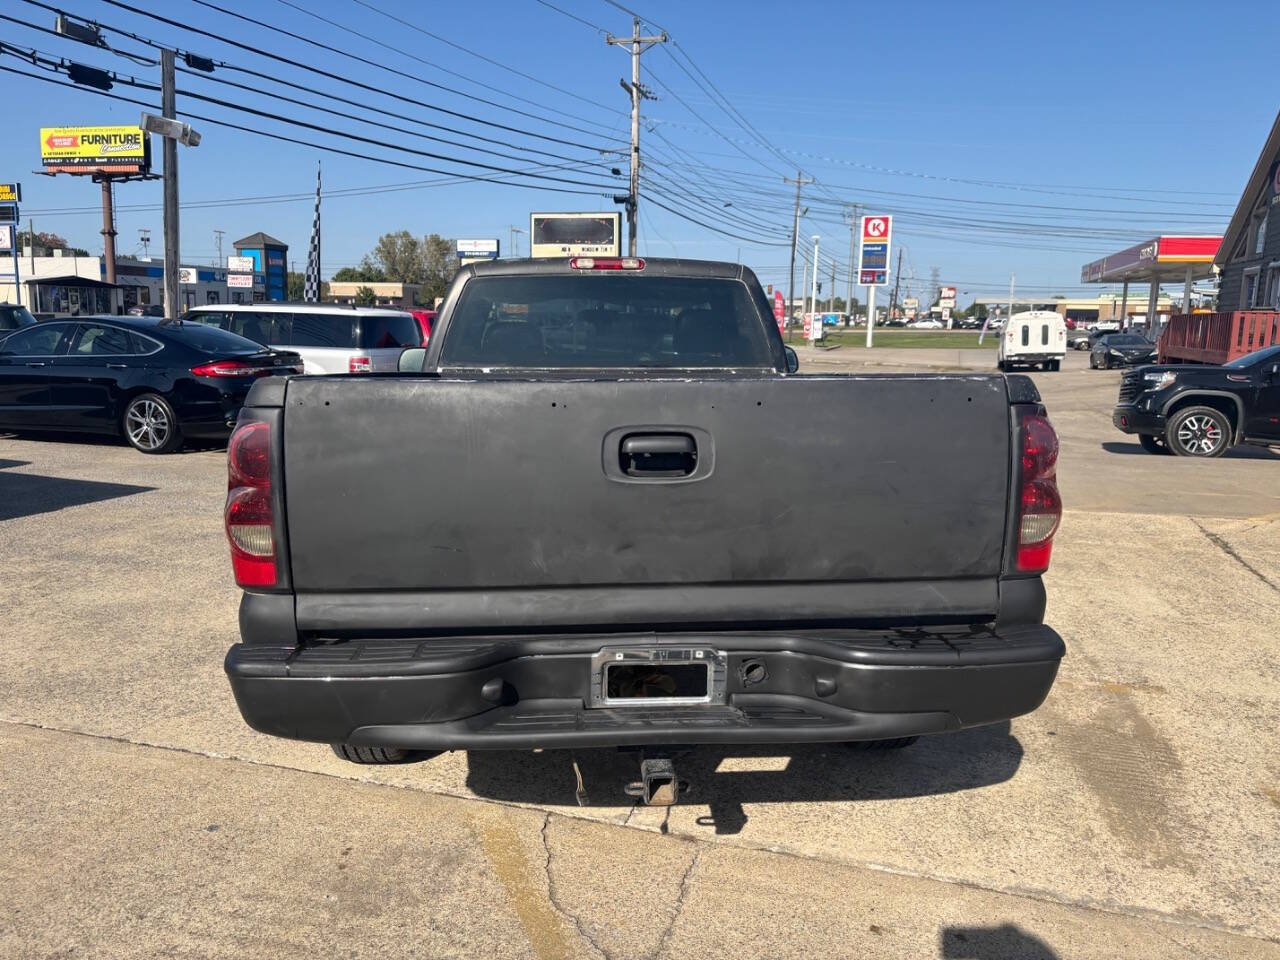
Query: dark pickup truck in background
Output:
(1198,410)
(643,529)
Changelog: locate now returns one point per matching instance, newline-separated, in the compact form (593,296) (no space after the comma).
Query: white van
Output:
(330,337)
(1035,338)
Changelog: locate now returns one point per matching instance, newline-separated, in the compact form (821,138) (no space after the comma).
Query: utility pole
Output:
(108,229)
(218,236)
(144,238)
(1010,298)
(168,108)
(804,286)
(638,46)
(831,294)
(897,280)
(799,181)
(512,230)
(853,228)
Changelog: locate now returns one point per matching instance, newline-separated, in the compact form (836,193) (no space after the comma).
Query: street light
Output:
(170,129)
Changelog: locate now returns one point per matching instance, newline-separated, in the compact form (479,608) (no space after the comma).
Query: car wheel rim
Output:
(1200,434)
(147,424)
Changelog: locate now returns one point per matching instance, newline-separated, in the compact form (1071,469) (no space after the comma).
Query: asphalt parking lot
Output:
(1137,813)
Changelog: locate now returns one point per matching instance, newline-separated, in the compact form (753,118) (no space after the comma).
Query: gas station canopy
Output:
(1160,260)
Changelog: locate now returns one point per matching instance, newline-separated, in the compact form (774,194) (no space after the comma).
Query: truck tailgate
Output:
(418,503)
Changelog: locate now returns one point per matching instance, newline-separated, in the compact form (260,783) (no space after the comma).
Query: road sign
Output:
(240,264)
(947,301)
(946,315)
(240,281)
(873,251)
(10,193)
(187,275)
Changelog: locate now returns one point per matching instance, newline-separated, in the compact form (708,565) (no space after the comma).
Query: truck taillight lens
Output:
(1039,504)
(360,365)
(249,514)
(606,263)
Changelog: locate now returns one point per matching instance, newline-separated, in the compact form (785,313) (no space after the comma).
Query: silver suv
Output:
(330,337)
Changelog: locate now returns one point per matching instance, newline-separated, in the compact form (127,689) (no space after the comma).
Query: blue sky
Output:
(1086,126)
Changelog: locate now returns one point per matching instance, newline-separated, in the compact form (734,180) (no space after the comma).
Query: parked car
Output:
(1104,326)
(13,316)
(602,560)
(156,384)
(426,319)
(330,338)
(1199,410)
(146,310)
(926,324)
(1120,350)
(1033,338)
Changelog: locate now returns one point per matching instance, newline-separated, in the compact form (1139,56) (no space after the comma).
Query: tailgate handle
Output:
(658,455)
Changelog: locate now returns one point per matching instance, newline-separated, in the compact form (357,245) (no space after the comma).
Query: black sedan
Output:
(151,381)
(14,317)
(1121,350)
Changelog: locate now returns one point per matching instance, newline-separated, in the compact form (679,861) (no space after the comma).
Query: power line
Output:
(481,56)
(318,71)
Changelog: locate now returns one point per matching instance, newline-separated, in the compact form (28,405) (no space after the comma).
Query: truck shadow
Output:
(724,779)
(25,494)
(1242,452)
(1005,942)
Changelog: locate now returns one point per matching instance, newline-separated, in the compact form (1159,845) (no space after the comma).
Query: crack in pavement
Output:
(678,908)
(555,899)
(1230,551)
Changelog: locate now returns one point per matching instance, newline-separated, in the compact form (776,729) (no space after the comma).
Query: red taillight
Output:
(360,365)
(239,368)
(249,515)
(1039,504)
(606,263)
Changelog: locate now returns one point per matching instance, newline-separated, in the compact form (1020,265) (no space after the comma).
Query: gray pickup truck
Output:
(602,509)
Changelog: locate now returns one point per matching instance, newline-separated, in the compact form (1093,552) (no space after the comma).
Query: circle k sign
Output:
(875,229)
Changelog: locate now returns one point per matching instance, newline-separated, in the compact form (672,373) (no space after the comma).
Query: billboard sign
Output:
(779,311)
(10,193)
(487,249)
(873,251)
(6,238)
(240,264)
(948,293)
(187,275)
(575,234)
(240,281)
(8,213)
(90,149)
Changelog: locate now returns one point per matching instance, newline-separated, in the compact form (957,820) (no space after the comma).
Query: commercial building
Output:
(76,286)
(404,295)
(1249,258)
(1106,308)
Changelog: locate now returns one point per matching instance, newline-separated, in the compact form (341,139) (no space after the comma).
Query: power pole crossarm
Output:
(639,45)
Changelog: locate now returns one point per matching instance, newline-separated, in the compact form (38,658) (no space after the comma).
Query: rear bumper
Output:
(533,692)
(1129,418)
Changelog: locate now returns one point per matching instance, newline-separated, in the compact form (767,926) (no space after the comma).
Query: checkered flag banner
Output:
(311,288)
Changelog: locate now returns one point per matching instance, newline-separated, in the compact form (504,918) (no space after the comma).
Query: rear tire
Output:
(1199,432)
(1153,444)
(895,743)
(374,755)
(150,425)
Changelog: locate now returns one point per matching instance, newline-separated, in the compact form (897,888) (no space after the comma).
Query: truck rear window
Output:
(605,321)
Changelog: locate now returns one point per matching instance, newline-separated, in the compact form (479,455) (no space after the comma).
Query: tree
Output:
(45,243)
(440,264)
(366,272)
(978,311)
(365,297)
(297,284)
(400,256)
